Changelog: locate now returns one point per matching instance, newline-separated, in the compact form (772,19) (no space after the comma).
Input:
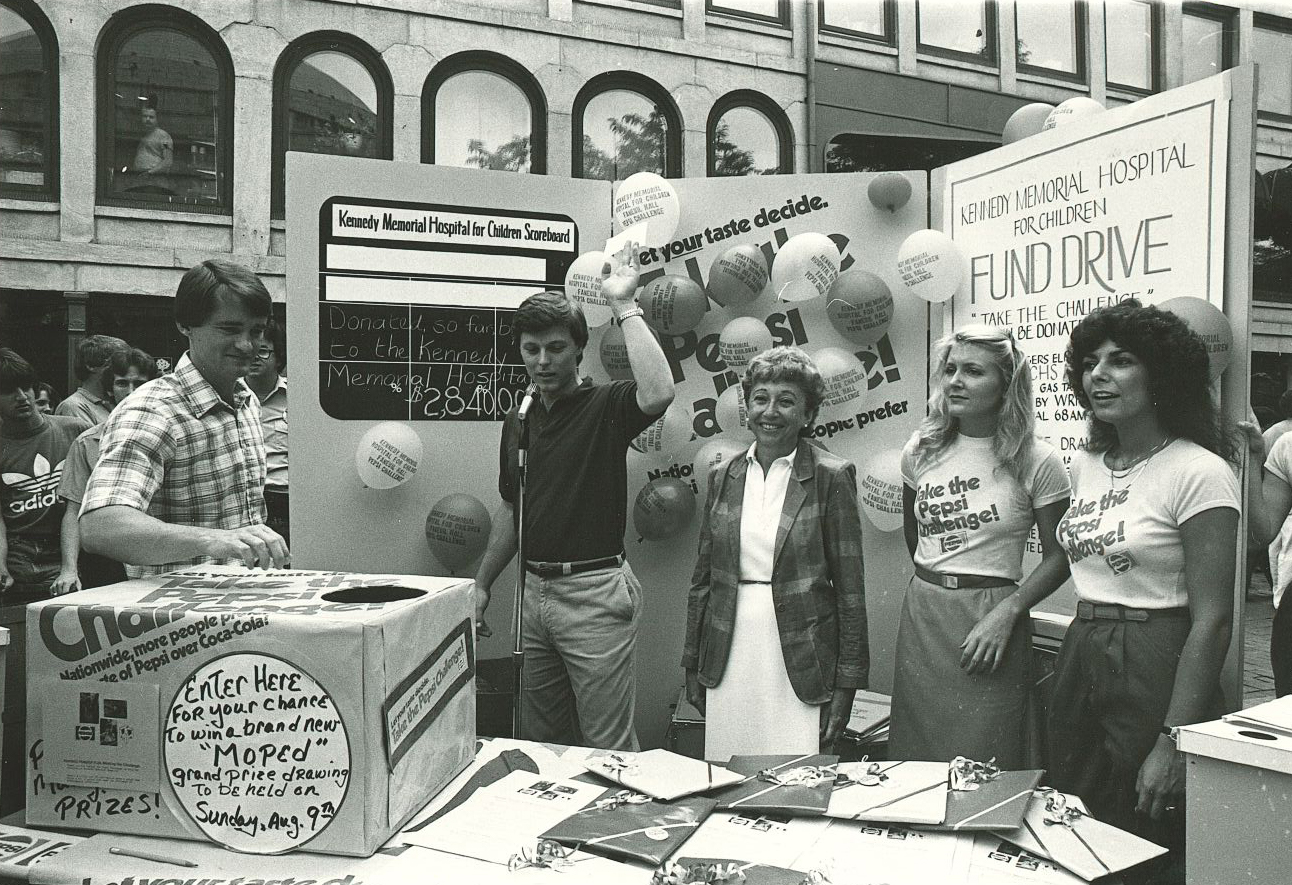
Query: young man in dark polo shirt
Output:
(582,600)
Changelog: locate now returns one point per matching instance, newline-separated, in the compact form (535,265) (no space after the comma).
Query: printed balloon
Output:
(583,286)
(669,434)
(738,276)
(730,413)
(647,197)
(673,304)
(805,267)
(931,265)
(1070,110)
(716,451)
(614,355)
(1210,324)
(860,306)
(889,190)
(741,340)
(880,492)
(457,529)
(664,507)
(845,379)
(1026,121)
(388,455)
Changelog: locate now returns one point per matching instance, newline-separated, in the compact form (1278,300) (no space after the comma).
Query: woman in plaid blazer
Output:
(776,623)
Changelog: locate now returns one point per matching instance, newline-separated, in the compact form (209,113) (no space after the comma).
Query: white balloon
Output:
(880,491)
(669,434)
(805,267)
(583,286)
(845,380)
(388,455)
(931,265)
(741,340)
(1072,109)
(647,197)
(731,415)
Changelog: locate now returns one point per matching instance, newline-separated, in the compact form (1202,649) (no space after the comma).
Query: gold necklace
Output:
(1116,474)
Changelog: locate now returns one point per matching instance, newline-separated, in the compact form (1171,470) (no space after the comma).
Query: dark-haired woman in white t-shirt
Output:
(1151,535)
(976,479)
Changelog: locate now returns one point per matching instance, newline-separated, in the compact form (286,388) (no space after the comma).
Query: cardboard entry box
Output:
(262,710)
(1238,804)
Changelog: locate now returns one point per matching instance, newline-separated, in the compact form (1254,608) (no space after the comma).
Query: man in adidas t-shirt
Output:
(33,445)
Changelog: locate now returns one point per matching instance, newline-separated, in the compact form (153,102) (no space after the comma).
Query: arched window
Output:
(749,135)
(483,110)
(28,103)
(165,118)
(625,123)
(332,95)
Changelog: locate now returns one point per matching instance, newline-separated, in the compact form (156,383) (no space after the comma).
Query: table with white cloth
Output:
(860,853)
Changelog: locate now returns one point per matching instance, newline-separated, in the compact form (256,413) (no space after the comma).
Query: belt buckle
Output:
(951,582)
(565,568)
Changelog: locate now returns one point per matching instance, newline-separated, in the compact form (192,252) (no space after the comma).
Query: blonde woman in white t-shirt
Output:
(976,480)
(1151,536)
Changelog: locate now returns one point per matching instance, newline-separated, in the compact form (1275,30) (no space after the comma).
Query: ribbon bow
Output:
(1057,810)
(873,776)
(617,764)
(804,775)
(673,873)
(623,797)
(547,855)
(968,775)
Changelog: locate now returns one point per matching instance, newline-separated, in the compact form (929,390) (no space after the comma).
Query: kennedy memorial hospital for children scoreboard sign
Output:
(1127,203)
(415,301)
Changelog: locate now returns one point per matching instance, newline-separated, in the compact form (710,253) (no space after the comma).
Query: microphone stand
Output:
(518,608)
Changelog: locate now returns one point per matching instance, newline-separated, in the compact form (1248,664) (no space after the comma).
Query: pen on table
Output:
(146,855)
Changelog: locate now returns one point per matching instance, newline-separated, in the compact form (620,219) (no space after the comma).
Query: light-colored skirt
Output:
(941,711)
(753,711)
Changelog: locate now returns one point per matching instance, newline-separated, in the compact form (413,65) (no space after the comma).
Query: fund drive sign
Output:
(1128,203)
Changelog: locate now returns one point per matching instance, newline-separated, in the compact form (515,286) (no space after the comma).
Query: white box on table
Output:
(264,710)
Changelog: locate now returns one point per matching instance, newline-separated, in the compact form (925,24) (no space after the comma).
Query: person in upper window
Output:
(153,155)
(975,480)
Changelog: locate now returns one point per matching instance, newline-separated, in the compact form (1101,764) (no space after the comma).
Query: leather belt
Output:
(1108,611)
(559,569)
(961,582)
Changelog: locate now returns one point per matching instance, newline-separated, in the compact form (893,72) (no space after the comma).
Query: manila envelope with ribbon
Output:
(1058,828)
(784,784)
(892,792)
(623,824)
(982,797)
(661,774)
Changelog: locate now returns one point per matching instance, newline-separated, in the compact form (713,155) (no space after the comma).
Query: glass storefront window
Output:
(896,153)
(1206,47)
(166,140)
(28,92)
(1131,43)
(1272,51)
(744,142)
(623,132)
(1051,38)
(764,10)
(483,120)
(868,18)
(957,28)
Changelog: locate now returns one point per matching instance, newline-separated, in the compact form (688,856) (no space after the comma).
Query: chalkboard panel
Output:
(415,306)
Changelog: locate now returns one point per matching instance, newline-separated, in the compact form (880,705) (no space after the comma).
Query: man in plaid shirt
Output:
(181,474)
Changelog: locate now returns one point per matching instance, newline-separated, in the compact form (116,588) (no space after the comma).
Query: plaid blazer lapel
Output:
(795,495)
(736,504)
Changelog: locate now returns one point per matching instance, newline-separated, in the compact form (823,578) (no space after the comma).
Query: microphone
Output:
(526,403)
